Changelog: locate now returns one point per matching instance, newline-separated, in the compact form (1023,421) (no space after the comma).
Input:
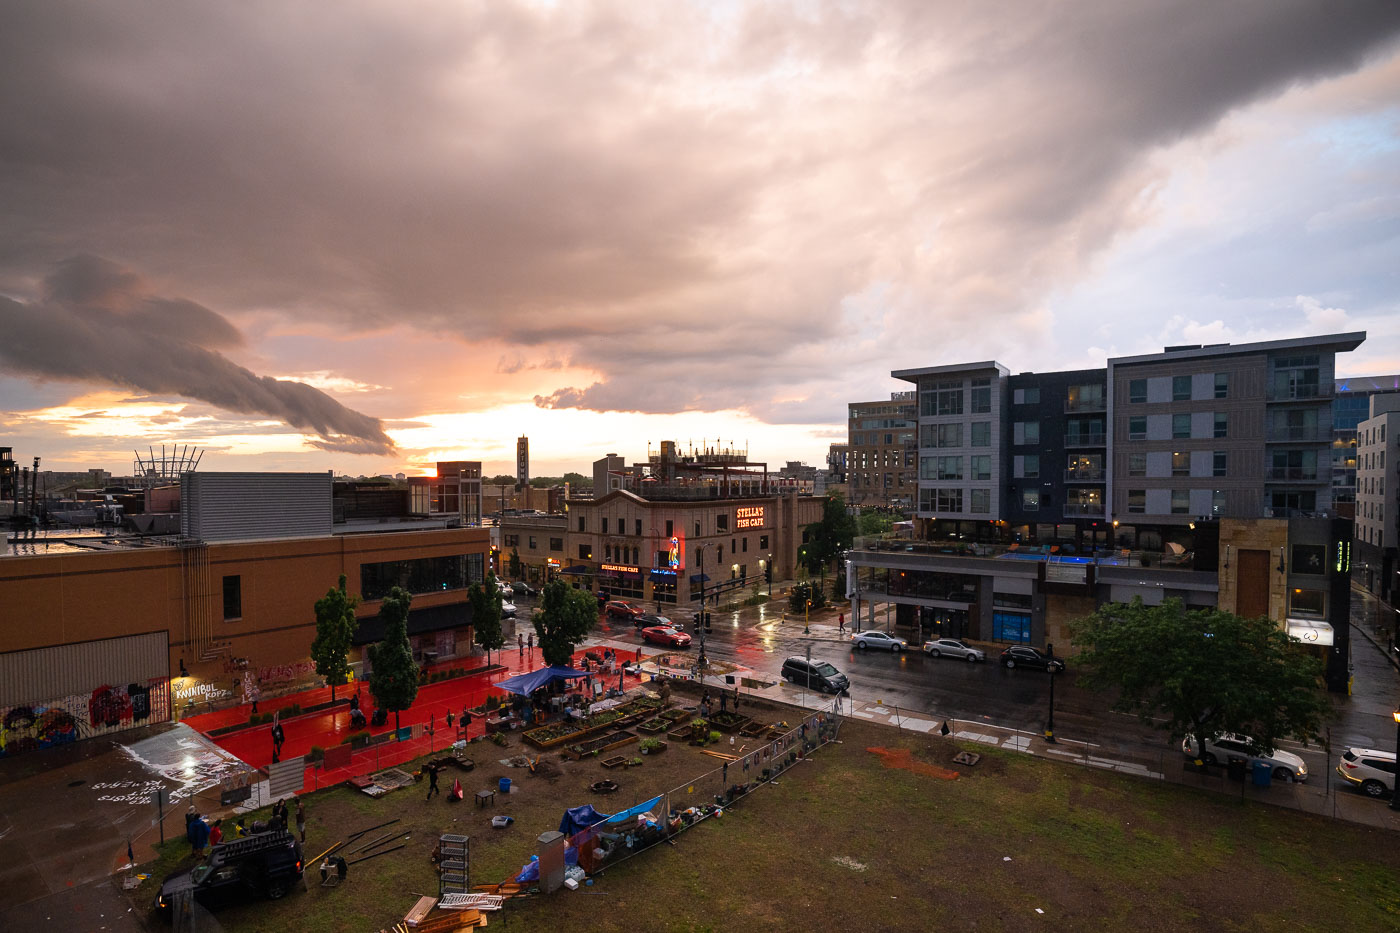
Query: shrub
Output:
(357,739)
(317,753)
(649,745)
(715,737)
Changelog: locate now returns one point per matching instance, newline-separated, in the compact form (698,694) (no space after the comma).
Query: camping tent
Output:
(526,684)
(577,818)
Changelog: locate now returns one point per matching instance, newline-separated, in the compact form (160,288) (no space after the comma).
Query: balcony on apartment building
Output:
(1293,434)
(1084,475)
(1085,439)
(1298,475)
(1080,406)
(1300,391)
(1083,509)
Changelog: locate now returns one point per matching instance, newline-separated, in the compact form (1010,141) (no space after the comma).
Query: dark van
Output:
(815,675)
(260,865)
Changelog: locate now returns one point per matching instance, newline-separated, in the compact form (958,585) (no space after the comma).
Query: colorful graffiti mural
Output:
(30,727)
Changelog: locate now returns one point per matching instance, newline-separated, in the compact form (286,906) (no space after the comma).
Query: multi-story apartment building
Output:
(961,428)
(454,492)
(1238,431)
(879,457)
(1378,496)
(1350,406)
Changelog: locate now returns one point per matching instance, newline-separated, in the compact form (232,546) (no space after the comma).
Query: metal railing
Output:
(1085,475)
(1084,509)
(1086,439)
(1295,474)
(1300,392)
(1312,433)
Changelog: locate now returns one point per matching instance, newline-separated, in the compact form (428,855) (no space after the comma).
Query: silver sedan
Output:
(952,648)
(878,639)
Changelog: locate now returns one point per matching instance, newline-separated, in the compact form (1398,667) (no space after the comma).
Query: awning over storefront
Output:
(575,568)
(699,578)
(1310,631)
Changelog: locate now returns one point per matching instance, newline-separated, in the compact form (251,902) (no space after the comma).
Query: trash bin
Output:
(1235,768)
(503,785)
(1263,774)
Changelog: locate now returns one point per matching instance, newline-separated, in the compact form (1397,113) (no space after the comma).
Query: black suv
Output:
(263,864)
(1026,656)
(815,675)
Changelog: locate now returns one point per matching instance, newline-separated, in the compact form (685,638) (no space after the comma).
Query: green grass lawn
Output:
(844,843)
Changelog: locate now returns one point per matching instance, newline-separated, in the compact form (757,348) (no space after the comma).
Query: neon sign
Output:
(749,517)
(618,568)
(674,558)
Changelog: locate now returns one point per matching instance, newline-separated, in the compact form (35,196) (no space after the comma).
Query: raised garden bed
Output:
(652,746)
(610,741)
(728,722)
(675,715)
(616,761)
(679,735)
(653,726)
(753,730)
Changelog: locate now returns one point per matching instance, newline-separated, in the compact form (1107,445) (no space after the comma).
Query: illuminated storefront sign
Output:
(618,568)
(673,560)
(1310,631)
(749,517)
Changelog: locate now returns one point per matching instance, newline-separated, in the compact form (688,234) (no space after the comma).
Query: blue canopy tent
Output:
(526,684)
(578,818)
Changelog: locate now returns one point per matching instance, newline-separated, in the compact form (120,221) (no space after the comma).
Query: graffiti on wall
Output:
(29,727)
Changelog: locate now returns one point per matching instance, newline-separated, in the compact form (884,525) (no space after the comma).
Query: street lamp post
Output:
(1395,790)
(1050,720)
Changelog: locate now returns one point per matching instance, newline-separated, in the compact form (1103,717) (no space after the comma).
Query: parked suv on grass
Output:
(815,675)
(260,865)
(1371,770)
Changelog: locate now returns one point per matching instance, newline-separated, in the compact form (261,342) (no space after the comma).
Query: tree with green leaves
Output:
(827,538)
(873,522)
(485,600)
(516,568)
(501,479)
(1202,672)
(335,632)
(393,677)
(801,592)
(563,621)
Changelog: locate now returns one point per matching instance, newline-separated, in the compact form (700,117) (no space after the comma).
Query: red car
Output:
(665,635)
(622,610)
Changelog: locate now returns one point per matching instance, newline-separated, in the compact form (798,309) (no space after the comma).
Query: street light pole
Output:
(1050,720)
(1395,790)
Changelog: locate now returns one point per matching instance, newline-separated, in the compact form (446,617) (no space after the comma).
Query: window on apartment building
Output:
(233,598)
(1217,503)
(1137,464)
(981,434)
(927,499)
(1222,424)
(950,500)
(1030,466)
(514,540)
(1181,388)
(532,542)
(950,435)
(746,545)
(605,525)
(1181,425)
(950,398)
(1181,501)
(981,401)
(585,552)
(556,544)
(722,521)
(1137,501)
(981,467)
(697,528)
(1030,500)
(1137,428)
(637,524)
(1181,463)
(1137,390)
(950,468)
(1222,385)
(928,467)
(981,501)
(763,542)
(582,524)
(1220,463)
(1025,432)
(1029,396)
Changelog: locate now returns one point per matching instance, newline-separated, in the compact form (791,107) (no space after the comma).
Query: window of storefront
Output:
(1011,626)
(421,575)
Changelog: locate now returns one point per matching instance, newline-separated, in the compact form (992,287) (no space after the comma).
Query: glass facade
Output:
(423,575)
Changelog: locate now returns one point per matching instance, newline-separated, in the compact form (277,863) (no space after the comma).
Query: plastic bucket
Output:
(505,785)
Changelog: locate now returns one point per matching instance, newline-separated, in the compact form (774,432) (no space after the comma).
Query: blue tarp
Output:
(526,684)
(531,871)
(579,818)
(635,811)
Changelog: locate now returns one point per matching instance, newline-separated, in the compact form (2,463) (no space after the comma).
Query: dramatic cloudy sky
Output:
(367,235)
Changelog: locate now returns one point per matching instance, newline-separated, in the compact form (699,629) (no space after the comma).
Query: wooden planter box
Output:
(616,761)
(655,751)
(753,730)
(675,715)
(679,735)
(651,727)
(730,722)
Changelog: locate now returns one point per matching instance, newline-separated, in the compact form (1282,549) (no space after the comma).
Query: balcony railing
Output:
(1312,433)
(1079,405)
(1085,475)
(1083,510)
(1300,392)
(1085,439)
(1295,475)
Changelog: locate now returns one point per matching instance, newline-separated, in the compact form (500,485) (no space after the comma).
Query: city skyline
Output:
(370,241)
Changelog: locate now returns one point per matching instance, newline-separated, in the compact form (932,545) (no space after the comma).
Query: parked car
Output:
(507,609)
(1371,770)
(260,865)
(815,675)
(1286,766)
(665,635)
(521,588)
(952,648)
(649,619)
(878,639)
(1026,656)
(619,609)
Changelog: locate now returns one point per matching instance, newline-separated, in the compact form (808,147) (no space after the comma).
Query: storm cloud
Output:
(697,206)
(97,324)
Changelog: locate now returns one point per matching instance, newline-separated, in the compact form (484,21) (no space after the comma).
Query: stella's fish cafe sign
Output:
(750,517)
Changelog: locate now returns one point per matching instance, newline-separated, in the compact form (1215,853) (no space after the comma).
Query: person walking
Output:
(530,642)
(736,698)
(466,723)
(301,819)
(520,643)
(216,834)
(432,783)
(840,622)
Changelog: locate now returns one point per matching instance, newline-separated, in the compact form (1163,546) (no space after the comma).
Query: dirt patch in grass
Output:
(1094,850)
(903,758)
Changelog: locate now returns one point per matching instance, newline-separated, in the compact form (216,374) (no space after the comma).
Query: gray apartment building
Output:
(1378,497)
(1223,431)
